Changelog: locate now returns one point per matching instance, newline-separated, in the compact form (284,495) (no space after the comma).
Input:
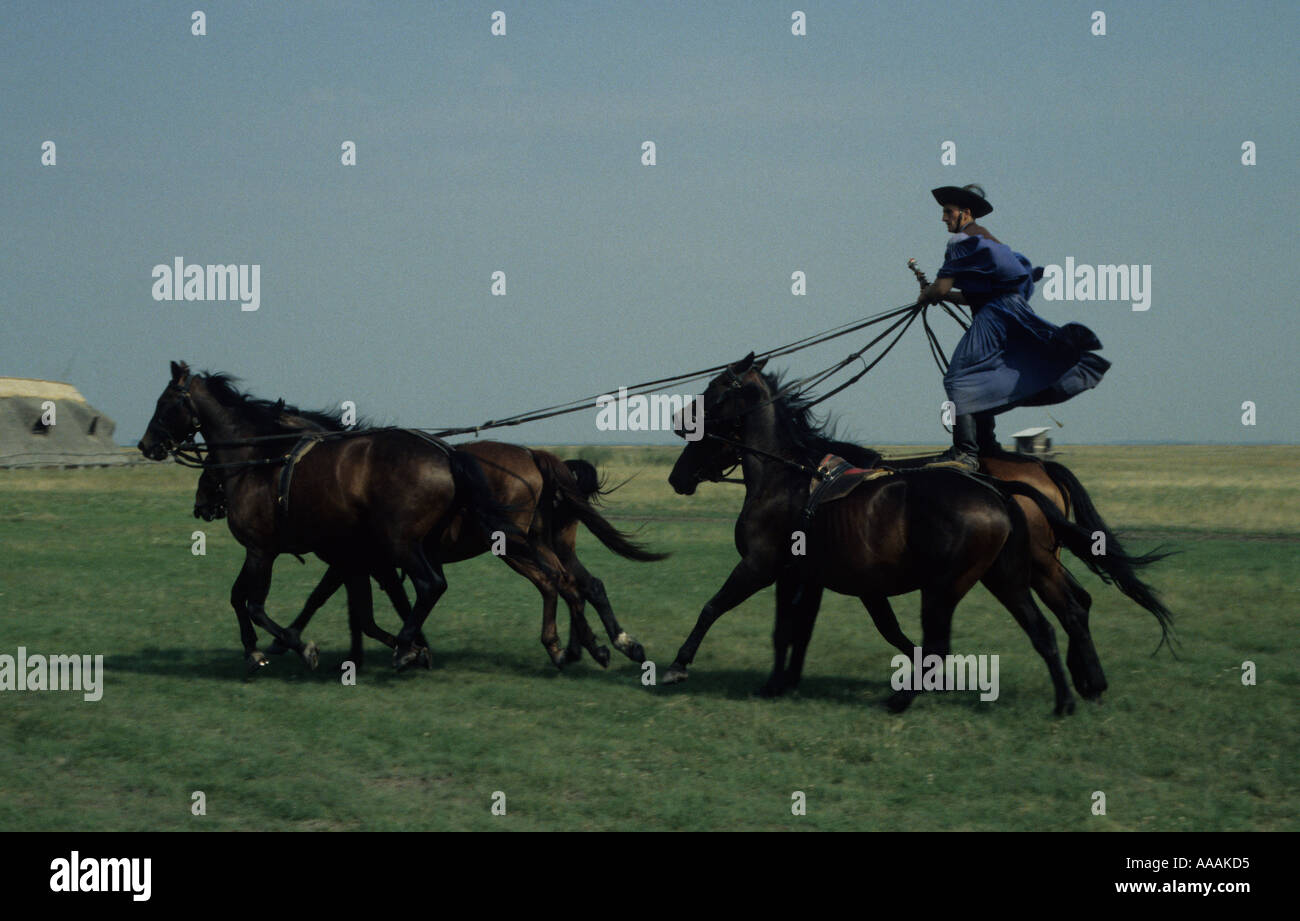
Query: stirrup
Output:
(959,461)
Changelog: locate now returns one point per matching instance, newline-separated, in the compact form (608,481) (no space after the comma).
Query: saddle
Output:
(835,479)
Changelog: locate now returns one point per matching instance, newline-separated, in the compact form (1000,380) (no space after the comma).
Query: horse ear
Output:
(758,365)
(179,370)
(742,366)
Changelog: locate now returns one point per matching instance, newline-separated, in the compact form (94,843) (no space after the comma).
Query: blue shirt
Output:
(984,268)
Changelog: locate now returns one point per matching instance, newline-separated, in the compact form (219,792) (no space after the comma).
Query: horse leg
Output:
(429,584)
(787,586)
(594,591)
(258,586)
(361,610)
(581,636)
(1015,597)
(937,606)
(371,629)
(253,658)
(323,592)
(579,631)
(886,621)
(391,583)
(806,607)
(748,577)
(1082,607)
(1081,655)
(546,586)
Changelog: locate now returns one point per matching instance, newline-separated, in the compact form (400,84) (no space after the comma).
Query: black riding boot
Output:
(964,452)
(985,439)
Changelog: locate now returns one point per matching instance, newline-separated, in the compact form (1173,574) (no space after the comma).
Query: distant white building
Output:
(80,436)
(1033,441)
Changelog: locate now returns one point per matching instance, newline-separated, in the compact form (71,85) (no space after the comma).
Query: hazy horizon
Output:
(522,153)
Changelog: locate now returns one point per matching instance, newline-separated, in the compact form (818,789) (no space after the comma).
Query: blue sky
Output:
(522,154)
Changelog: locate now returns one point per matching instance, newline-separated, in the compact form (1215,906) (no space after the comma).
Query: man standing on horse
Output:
(1010,356)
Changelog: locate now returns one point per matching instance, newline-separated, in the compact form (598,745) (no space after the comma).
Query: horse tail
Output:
(1114,566)
(573,491)
(1085,513)
(589,482)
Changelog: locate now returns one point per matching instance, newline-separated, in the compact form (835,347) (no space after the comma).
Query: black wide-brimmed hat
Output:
(968,196)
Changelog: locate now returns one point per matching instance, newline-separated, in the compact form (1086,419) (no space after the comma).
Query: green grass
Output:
(99,562)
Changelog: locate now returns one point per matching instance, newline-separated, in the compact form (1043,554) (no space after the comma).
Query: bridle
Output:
(734,383)
(184,447)
(188,453)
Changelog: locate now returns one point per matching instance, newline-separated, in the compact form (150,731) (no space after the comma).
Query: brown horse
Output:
(930,529)
(1052,483)
(365,501)
(1054,584)
(547,503)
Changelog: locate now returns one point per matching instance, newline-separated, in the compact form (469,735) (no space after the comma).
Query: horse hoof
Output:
(572,655)
(277,648)
(601,655)
(310,656)
(403,658)
(255,662)
(425,658)
(558,660)
(629,647)
(771,689)
(675,675)
(1065,708)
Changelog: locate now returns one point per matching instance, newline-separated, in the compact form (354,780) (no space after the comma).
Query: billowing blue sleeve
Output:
(980,266)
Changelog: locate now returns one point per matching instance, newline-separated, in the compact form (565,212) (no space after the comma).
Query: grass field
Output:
(99,561)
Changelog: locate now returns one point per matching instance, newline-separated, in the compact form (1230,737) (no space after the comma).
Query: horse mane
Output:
(811,438)
(271,417)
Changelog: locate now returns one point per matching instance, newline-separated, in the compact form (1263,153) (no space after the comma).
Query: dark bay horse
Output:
(1055,585)
(363,502)
(548,499)
(930,529)
(1054,493)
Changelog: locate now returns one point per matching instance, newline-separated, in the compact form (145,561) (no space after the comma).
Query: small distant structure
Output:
(1034,441)
(80,436)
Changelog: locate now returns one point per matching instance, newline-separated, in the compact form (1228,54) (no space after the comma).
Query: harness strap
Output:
(802,468)
(432,439)
(297,453)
